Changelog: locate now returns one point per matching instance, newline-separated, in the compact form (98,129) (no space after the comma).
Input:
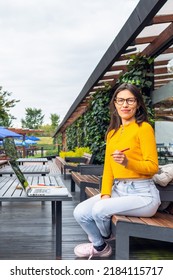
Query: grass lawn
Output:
(45,140)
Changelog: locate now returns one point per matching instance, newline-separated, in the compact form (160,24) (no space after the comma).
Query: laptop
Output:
(34,190)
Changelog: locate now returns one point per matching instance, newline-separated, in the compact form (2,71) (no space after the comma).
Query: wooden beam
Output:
(25,131)
(160,62)
(160,81)
(160,70)
(101,85)
(162,19)
(145,40)
(117,68)
(113,76)
(168,50)
(125,57)
(163,41)
(163,77)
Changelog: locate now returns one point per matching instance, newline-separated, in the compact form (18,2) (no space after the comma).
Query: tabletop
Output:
(26,169)
(23,160)
(10,189)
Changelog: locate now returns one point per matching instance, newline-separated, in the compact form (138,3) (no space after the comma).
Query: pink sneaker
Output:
(87,250)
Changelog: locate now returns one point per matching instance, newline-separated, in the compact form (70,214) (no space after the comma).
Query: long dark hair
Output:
(141,113)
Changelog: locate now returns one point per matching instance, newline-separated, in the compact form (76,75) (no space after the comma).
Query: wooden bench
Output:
(88,176)
(60,162)
(159,227)
(72,163)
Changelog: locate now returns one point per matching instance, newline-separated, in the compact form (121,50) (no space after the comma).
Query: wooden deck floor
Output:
(27,233)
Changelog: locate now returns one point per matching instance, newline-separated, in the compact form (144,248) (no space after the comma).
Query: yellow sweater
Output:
(142,156)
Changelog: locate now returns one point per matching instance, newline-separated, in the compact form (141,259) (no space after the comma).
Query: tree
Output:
(49,129)
(7,121)
(33,119)
(55,119)
(5,106)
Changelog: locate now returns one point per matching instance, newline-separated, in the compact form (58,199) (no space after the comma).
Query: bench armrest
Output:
(91,169)
(75,159)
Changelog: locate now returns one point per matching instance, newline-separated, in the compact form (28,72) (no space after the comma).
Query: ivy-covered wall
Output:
(140,72)
(75,134)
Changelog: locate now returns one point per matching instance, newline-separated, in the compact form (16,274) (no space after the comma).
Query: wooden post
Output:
(24,148)
(64,143)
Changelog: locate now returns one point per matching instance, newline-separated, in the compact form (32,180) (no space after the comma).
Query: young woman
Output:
(130,163)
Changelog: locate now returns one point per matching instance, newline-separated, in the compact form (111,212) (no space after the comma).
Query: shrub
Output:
(51,152)
(78,152)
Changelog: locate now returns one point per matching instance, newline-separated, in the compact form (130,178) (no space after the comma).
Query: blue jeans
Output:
(129,197)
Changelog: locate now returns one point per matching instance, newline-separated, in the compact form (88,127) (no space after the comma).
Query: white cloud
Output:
(49,48)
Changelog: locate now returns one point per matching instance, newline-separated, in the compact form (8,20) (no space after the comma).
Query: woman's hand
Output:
(120,157)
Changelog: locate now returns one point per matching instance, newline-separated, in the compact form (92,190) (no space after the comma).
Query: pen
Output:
(46,185)
(126,149)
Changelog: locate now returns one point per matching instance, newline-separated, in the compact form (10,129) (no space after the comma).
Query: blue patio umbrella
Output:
(19,143)
(32,137)
(4,132)
(25,143)
(30,142)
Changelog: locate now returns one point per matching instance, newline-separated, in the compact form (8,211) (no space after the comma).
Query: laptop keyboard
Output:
(41,191)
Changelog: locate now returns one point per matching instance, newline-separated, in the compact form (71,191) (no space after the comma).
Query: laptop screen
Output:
(10,148)
(19,173)
(11,152)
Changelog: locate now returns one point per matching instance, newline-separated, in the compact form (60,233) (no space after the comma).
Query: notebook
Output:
(34,190)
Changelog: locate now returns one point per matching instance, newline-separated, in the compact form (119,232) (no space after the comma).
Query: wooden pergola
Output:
(25,131)
(148,31)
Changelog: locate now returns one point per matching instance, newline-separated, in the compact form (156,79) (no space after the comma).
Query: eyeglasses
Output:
(129,101)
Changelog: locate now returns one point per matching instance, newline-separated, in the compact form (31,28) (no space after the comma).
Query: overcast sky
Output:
(49,48)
